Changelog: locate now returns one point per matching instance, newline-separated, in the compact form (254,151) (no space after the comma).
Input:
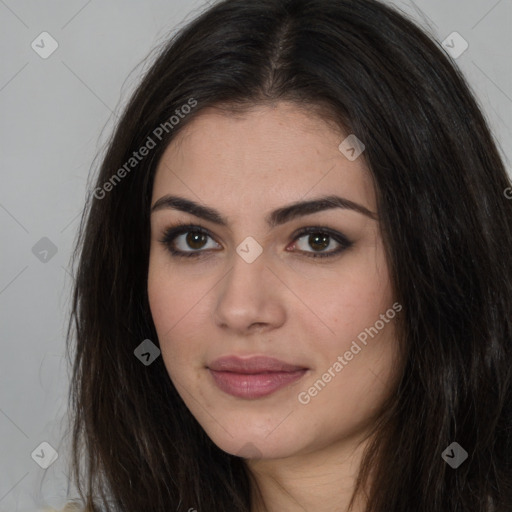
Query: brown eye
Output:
(319,240)
(187,240)
(195,240)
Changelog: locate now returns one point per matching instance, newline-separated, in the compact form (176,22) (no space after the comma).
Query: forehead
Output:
(268,154)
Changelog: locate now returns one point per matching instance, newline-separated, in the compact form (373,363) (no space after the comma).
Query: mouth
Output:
(254,377)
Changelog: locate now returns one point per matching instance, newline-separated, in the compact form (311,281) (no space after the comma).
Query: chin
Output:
(253,439)
(254,448)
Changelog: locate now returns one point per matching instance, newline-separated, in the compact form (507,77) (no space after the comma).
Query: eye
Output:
(189,240)
(186,236)
(319,239)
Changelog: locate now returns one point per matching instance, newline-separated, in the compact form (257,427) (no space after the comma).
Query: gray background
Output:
(56,114)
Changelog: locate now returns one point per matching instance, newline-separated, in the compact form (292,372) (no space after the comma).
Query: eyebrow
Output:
(275,218)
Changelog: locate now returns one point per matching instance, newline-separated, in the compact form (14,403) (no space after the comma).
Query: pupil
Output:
(321,241)
(193,238)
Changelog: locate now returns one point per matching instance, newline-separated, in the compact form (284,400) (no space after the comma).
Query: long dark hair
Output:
(446,225)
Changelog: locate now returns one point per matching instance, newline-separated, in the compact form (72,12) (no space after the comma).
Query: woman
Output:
(294,287)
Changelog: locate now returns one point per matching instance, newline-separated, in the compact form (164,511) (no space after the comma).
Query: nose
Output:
(250,298)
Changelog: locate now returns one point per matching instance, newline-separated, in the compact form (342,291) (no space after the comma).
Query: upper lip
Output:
(254,364)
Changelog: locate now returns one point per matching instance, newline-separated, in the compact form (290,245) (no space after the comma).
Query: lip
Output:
(253,364)
(253,377)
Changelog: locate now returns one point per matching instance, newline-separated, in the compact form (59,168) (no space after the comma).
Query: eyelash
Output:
(174,231)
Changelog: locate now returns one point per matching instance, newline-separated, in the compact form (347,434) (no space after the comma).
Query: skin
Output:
(285,304)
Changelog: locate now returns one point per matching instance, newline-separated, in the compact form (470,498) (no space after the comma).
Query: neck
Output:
(319,481)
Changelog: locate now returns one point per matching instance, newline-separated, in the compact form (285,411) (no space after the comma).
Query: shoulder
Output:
(69,507)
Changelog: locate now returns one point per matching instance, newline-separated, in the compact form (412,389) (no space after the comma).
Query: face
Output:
(245,283)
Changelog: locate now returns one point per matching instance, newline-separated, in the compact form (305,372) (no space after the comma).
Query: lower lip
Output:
(243,385)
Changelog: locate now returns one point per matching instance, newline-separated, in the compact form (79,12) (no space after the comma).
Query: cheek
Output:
(163,303)
(172,295)
(354,368)
(177,308)
(168,307)
(348,324)
(350,302)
